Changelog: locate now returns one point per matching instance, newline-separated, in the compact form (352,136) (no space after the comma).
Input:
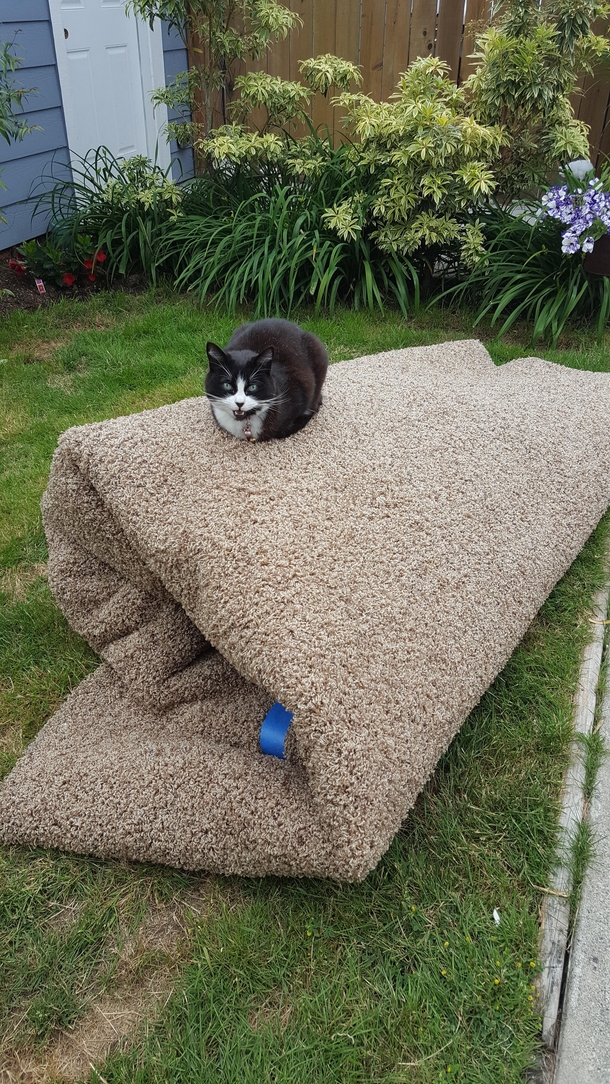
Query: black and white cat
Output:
(267,382)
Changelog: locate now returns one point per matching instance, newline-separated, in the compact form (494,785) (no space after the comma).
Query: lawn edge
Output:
(555,912)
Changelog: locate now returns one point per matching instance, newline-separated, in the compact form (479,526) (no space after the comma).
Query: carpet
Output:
(373,573)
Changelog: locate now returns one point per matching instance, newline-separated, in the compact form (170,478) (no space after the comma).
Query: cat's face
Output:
(239,387)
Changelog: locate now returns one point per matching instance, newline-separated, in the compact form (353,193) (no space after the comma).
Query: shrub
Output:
(420,164)
(122,206)
(528,66)
(256,232)
(276,220)
(222,32)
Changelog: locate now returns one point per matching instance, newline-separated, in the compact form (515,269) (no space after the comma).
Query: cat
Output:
(267,382)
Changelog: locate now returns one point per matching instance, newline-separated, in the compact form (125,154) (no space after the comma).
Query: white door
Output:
(108,63)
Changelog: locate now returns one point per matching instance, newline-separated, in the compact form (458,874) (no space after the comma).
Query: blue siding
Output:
(176,60)
(28,24)
(26,165)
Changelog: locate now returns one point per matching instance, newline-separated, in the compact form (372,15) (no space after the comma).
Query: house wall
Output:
(176,60)
(25,164)
(28,23)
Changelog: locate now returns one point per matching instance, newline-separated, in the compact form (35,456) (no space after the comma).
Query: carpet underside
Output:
(374,572)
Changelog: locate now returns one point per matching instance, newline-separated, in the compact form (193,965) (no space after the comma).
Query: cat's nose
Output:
(239,403)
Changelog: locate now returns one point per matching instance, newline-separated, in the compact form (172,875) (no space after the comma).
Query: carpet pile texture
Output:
(373,573)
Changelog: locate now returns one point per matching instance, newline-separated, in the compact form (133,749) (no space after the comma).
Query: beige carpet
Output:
(373,573)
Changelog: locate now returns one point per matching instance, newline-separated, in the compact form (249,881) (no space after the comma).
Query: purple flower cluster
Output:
(586,212)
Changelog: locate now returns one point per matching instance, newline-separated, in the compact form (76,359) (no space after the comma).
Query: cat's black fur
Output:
(282,366)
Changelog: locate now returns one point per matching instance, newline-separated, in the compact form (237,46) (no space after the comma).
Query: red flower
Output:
(68,278)
(88,264)
(91,276)
(100,256)
(16,266)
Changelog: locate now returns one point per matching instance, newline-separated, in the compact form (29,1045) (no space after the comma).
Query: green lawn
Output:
(184,978)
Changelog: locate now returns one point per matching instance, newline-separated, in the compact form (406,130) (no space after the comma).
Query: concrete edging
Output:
(555,909)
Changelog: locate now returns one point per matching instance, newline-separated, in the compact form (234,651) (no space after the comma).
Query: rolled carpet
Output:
(373,573)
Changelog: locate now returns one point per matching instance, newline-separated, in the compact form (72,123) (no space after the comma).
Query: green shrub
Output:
(526,276)
(122,206)
(254,232)
(527,67)
(222,32)
(276,220)
(419,164)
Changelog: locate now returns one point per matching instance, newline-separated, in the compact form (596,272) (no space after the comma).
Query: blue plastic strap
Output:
(274,730)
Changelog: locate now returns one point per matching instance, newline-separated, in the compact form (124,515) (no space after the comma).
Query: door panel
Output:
(101,77)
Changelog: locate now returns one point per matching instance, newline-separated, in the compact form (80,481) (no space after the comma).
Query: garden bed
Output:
(20,293)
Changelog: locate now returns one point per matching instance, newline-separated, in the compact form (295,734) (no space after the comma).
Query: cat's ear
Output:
(216,356)
(265,358)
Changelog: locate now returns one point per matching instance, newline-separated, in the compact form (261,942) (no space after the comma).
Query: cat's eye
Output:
(251,387)
(228,385)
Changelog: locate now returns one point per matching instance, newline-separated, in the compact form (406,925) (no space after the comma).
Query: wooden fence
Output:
(384,36)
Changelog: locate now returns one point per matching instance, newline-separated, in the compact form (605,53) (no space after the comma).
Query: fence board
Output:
(477,14)
(449,33)
(593,104)
(347,30)
(423,29)
(301,43)
(396,45)
(324,22)
(372,45)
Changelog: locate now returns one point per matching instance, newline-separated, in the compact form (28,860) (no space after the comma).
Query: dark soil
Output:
(20,291)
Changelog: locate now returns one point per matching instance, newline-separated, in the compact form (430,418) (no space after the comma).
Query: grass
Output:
(405,979)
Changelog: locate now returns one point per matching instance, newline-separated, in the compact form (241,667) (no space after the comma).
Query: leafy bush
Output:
(273,249)
(526,276)
(122,206)
(527,68)
(428,163)
(222,32)
(277,220)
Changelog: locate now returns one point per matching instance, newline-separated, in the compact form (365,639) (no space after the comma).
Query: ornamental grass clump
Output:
(253,231)
(122,205)
(526,275)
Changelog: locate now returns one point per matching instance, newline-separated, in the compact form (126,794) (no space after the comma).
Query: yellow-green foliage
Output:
(527,67)
(417,168)
(222,32)
(284,101)
(426,161)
